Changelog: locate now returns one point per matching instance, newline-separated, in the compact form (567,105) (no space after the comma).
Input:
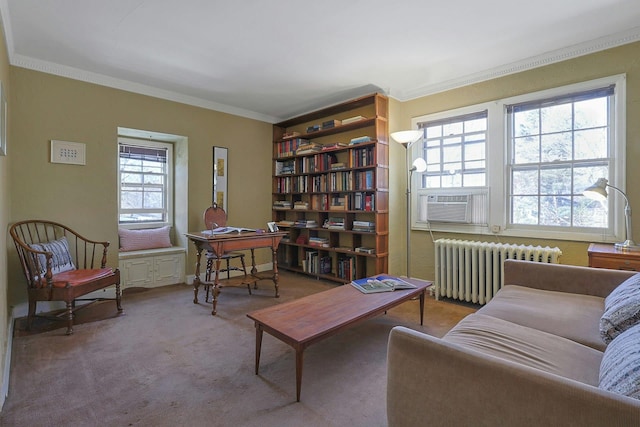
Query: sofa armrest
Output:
(563,278)
(436,383)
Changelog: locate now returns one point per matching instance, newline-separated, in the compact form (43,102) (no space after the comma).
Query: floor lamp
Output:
(407,138)
(598,191)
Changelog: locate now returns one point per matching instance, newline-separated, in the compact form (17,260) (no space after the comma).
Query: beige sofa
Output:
(531,356)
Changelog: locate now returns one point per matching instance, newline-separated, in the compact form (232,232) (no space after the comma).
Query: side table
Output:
(602,255)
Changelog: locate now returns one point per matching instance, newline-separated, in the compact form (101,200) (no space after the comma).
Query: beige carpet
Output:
(168,362)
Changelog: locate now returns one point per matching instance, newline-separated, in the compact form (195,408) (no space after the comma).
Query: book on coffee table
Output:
(382,283)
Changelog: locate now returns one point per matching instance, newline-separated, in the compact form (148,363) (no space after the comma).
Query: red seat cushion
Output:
(80,277)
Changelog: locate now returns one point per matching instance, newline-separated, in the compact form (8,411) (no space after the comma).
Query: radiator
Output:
(473,271)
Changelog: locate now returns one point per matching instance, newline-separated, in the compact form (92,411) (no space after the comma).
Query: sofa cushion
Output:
(620,367)
(621,309)
(149,238)
(60,261)
(527,346)
(572,316)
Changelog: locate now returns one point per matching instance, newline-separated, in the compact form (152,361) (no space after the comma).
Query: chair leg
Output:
(70,317)
(244,270)
(228,269)
(118,297)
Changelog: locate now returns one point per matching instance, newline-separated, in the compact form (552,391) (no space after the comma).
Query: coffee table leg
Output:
(258,345)
(298,372)
(422,306)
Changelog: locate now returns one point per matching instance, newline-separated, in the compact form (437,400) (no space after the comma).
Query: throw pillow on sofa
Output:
(60,261)
(620,366)
(148,238)
(621,309)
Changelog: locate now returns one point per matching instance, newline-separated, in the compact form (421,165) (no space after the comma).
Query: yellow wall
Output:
(45,107)
(624,59)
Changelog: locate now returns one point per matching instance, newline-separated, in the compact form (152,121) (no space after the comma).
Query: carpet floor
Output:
(169,362)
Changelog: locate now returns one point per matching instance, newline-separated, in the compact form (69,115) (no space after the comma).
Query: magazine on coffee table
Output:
(382,283)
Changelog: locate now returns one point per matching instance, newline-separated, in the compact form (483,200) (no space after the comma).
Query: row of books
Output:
(316,264)
(345,268)
(289,147)
(364,226)
(305,223)
(359,201)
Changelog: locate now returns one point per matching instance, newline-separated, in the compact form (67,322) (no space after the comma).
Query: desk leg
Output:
(216,286)
(258,345)
(422,306)
(274,258)
(196,279)
(298,372)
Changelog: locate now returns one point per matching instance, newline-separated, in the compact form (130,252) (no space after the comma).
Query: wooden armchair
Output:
(61,265)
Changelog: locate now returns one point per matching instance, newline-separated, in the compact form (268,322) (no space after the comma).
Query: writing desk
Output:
(219,244)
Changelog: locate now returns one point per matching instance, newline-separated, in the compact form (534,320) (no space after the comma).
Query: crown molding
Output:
(100,79)
(596,45)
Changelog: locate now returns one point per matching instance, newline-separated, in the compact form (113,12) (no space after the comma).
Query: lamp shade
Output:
(419,165)
(597,191)
(406,137)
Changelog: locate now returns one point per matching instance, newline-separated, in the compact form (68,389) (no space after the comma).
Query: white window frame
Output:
(169,181)
(497,171)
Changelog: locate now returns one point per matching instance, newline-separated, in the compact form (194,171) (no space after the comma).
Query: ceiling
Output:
(272,60)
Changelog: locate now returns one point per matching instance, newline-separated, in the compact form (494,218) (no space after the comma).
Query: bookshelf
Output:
(331,190)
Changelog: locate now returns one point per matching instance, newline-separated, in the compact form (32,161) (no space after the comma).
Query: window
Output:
(145,182)
(522,163)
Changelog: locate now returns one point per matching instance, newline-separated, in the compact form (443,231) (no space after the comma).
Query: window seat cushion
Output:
(149,238)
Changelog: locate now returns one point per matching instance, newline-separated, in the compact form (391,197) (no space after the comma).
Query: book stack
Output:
(338,166)
(331,124)
(319,241)
(365,250)
(305,223)
(334,146)
(281,204)
(302,205)
(334,223)
(360,139)
(285,223)
(353,119)
(286,167)
(310,147)
(365,226)
(313,128)
(289,135)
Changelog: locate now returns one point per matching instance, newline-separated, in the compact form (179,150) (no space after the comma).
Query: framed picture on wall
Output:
(220,177)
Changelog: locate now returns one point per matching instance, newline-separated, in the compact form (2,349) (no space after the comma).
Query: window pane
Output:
(555,211)
(526,123)
(586,176)
(524,209)
(556,147)
(526,150)
(475,125)
(452,154)
(474,179)
(591,144)
(474,151)
(557,118)
(452,129)
(591,113)
(589,213)
(555,181)
(524,182)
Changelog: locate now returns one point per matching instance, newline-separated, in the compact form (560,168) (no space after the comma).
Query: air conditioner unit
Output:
(449,208)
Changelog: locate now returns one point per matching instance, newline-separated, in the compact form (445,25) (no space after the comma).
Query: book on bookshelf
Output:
(301,205)
(313,128)
(289,135)
(353,119)
(382,283)
(359,139)
(281,204)
(328,124)
(334,146)
(364,250)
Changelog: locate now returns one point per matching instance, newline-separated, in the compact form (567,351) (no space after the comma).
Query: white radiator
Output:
(473,271)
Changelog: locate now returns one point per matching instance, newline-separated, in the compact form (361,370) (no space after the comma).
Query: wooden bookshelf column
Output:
(331,190)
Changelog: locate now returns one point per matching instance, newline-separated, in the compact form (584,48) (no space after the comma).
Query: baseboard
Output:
(7,361)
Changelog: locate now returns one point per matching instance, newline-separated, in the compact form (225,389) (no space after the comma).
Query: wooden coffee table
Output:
(307,320)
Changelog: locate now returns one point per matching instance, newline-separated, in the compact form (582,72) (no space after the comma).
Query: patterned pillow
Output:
(621,309)
(61,260)
(620,366)
(148,238)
